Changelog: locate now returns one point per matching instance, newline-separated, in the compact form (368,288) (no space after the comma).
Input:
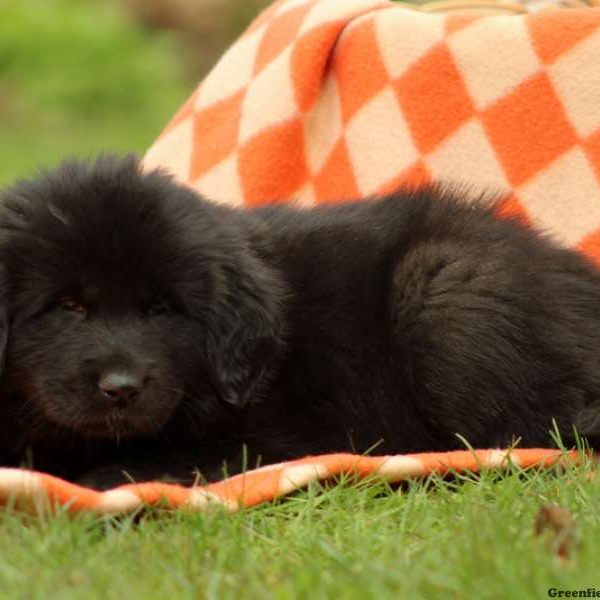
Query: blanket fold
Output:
(37,492)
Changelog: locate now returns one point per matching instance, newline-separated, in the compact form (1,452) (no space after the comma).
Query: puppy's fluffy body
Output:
(395,322)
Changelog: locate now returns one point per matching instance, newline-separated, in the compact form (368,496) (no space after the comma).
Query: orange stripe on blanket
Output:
(592,147)
(216,127)
(282,29)
(590,246)
(455,23)
(268,14)
(336,180)
(359,68)
(511,208)
(554,33)
(309,59)
(543,131)
(434,98)
(266,157)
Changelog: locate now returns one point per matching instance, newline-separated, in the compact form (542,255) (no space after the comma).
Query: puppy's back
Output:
(494,328)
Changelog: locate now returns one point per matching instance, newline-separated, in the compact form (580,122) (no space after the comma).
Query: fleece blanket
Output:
(322,100)
(40,494)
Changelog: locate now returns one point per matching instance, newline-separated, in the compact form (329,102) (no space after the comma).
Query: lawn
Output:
(468,538)
(77,78)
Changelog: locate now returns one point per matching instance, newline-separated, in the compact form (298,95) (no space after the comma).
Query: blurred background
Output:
(82,76)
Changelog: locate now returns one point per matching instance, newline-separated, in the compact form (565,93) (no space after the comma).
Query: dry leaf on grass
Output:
(558,525)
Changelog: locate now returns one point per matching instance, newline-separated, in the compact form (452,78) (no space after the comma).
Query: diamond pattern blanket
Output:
(322,100)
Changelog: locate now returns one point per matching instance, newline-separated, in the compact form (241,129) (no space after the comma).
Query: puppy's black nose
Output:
(120,387)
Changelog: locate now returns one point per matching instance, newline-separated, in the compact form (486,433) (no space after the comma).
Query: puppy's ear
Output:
(247,337)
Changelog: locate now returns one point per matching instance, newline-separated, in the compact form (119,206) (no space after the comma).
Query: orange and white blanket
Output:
(325,100)
(40,493)
(331,99)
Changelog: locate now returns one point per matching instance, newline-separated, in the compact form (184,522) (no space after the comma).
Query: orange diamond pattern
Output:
(358,85)
(539,139)
(434,98)
(319,89)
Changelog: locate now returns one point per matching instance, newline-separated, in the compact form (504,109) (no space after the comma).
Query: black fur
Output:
(395,322)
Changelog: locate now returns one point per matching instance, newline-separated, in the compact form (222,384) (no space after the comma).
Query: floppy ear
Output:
(247,333)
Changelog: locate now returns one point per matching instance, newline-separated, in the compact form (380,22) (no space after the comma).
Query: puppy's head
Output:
(127,298)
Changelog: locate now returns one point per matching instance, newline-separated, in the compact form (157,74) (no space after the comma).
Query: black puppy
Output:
(156,333)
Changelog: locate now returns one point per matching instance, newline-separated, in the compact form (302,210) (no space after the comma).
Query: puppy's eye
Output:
(72,305)
(158,308)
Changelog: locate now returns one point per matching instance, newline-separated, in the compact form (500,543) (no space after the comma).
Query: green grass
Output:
(472,538)
(78,78)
